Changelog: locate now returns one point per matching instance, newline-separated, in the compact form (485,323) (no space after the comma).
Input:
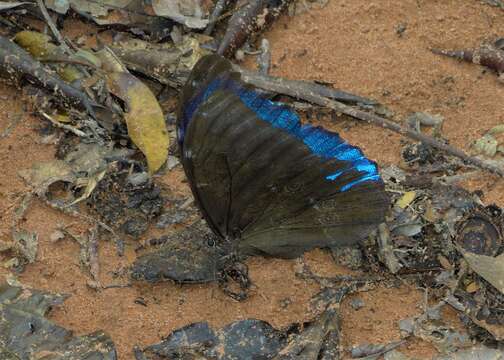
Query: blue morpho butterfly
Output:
(265,182)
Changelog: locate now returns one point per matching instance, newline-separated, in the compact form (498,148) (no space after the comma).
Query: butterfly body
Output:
(264,182)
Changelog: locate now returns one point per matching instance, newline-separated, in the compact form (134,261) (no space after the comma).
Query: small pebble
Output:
(138,179)
(357,303)
(56,235)
(400,29)
(407,326)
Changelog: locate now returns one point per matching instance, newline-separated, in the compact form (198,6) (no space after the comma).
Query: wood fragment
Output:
(220,5)
(92,250)
(249,19)
(487,55)
(299,89)
(371,352)
(288,88)
(264,58)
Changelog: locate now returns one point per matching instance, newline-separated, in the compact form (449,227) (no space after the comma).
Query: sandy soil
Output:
(352,44)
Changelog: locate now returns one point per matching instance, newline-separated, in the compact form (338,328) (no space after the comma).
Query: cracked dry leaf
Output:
(41,47)
(132,13)
(90,184)
(144,118)
(489,268)
(43,174)
(480,352)
(252,339)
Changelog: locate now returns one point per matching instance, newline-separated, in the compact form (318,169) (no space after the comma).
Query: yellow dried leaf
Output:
(40,47)
(37,44)
(406,199)
(472,287)
(62,118)
(69,73)
(144,118)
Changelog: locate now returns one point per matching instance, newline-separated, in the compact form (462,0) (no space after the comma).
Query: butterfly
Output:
(264,182)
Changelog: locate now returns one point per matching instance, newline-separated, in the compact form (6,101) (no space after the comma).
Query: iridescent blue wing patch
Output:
(264,180)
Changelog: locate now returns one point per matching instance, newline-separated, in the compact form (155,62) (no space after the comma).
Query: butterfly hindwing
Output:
(262,179)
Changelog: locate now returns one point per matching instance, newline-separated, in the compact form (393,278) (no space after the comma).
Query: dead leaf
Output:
(37,44)
(26,333)
(496,330)
(472,287)
(144,118)
(110,62)
(386,250)
(168,63)
(90,184)
(489,268)
(40,46)
(406,199)
(42,175)
(186,12)
(480,352)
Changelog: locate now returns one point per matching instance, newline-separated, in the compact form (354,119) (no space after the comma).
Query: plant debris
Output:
(168,63)
(247,20)
(489,55)
(124,203)
(254,339)
(16,65)
(188,13)
(188,256)
(107,99)
(25,332)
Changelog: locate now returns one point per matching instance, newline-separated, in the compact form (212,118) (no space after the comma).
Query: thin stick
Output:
(53,27)
(287,87)
(72,129)
(264,59)
(220,5)
(298,88)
